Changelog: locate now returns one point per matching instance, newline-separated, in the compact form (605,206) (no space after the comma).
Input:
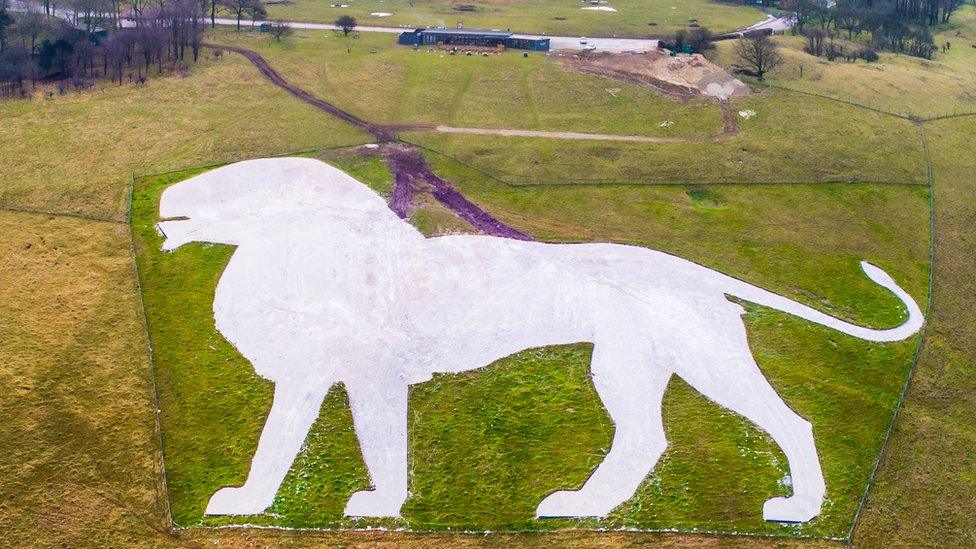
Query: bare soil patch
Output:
(682,77)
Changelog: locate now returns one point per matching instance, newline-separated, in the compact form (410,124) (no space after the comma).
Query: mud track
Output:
(411,171)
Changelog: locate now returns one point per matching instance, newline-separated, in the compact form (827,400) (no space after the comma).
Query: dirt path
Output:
(414,175)
(727,131)
(411,171)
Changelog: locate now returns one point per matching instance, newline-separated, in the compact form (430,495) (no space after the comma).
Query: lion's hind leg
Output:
(631,391)
(296,406)
(732,379)
(379,414)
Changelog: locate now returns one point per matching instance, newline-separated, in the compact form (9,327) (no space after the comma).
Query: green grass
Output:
(77,153)
(367,168)
(75,399)
(487,445)
(633,17)
(925,493)
(397,85)
(897,83)
(79,458)
(792,138)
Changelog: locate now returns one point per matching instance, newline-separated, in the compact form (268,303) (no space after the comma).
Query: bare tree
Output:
(256,11)
(803,12)
(280,29)
(240,8)
(346,23)
(759,53)
(29,27)
(6,20)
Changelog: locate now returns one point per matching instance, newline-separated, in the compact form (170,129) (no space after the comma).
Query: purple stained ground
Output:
(411,171)
(409,167)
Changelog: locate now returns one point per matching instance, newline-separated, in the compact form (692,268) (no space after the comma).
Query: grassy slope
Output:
(897,83)
(926,489)
(631,19)
(475,432)
(76,153)
(791,138)
(73,490)
(397,85)
(79,459)
(79,452)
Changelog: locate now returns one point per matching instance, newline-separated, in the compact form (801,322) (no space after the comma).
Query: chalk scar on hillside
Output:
(327,284)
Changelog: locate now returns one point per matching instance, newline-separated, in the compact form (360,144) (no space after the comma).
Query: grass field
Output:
(792,138)
(926,490)
(484,453)
(397,85)
(80,460)
(633,18)
(896,83)
(76,153)
(79,457)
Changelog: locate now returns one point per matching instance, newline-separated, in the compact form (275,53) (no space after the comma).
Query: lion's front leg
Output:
(379,413)
(296,406)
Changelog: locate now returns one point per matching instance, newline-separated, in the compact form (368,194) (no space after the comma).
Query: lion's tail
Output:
(759,296)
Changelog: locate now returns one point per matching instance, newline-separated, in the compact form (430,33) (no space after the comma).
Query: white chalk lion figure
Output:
(327,285)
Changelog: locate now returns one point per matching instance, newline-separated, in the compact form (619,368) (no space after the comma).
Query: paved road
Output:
(556,42)
(775,24)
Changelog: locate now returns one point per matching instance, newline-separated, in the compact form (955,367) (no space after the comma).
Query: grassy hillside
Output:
(901,84)
(790,138)
(484,453)
(77,153)
(79,460)
(80,466)
(375,79)
(926,490)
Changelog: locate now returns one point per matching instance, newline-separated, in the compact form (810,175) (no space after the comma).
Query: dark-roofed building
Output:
(476,38)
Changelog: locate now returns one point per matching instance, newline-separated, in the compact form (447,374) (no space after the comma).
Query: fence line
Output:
(918,346)
(904,116)
(715,533)
(163,487)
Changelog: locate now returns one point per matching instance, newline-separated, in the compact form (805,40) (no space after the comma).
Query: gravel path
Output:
(560,135)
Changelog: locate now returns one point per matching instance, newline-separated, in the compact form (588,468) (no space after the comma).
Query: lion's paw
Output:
(236,501)
(791,509)
(571,503)
(373,503)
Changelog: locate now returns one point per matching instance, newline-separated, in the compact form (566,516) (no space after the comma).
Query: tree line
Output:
(902,26)
(75,42)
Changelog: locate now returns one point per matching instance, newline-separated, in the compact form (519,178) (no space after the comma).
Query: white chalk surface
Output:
(327,285)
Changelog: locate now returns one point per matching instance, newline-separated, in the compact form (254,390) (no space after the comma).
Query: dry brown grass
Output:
(76,153)
(79,455)
(926,489)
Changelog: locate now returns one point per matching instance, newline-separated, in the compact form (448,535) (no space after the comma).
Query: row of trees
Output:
(896,25)
(37,46)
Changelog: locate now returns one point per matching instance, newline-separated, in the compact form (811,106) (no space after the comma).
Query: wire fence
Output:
(907,115)
(507,179)
(162,494)
(872,477)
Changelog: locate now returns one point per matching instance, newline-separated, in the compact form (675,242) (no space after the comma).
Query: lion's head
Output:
(241,202)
